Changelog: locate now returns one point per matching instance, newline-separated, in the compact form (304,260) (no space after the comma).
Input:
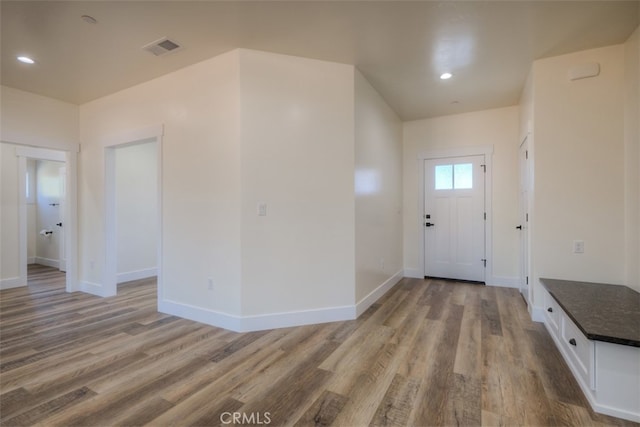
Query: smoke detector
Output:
(162,46)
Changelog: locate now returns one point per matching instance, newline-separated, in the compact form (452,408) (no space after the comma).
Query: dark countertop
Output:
(603,312)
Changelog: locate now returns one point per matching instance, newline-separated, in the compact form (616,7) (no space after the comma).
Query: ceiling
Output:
(400,47)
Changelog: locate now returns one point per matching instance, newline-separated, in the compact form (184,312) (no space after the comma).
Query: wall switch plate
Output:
(262,209)
(578,246)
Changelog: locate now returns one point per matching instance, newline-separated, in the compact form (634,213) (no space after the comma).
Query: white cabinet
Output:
(609,374)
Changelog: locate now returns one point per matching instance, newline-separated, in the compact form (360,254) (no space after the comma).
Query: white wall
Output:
(136,171)
(578,169)
(378,190)
(36,120)
(199,108)
(297,157)
(9,261)
(632,159)
(48,192)
(497,128)
(26,119)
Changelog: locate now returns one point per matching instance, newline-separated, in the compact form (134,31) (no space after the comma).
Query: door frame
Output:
(70,160)
(146,135)
(487,152)
(525,239)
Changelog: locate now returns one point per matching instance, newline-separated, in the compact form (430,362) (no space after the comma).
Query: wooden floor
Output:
(428,353)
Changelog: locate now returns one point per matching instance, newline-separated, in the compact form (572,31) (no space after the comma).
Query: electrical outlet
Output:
(210,283)
(578,246)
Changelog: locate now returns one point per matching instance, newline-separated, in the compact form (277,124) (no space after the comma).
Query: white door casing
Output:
(61,219)
(523,156)
(454,218)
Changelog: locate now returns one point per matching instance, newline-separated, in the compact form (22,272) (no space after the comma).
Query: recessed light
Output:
(26,60)
(445,76)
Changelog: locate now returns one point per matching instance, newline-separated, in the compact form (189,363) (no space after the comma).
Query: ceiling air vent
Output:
(162,47)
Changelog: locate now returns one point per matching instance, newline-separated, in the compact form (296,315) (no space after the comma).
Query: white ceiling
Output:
(401,47)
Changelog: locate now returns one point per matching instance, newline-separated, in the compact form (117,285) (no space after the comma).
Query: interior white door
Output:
(62,173)
(454,218)
(524,219)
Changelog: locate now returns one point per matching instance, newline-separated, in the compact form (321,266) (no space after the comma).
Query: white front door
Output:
(454,218)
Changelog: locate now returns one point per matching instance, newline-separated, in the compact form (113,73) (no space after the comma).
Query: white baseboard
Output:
(276,320)
(93,289)
(297,318)
(258,322)
(413,273)
(31,260)
(46,261)
(378,292)
(504,282)
(12,282)
(137,275)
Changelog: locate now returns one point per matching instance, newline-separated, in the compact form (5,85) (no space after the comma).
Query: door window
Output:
(454,177)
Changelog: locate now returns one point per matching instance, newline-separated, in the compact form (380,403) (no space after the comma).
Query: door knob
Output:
(519,227)
(429,224)
(59,224)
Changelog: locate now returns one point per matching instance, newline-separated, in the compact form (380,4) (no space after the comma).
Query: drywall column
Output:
(298,160)
(378,193)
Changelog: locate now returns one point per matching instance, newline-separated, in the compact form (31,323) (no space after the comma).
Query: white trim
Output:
(40,153)
(297,318)
(261,322)
(12,282)
(31,260)
(111,143)
(70,159)
(413,273)
(504,282)
(487,152)
(94,289)
(37,142)
(202,315)
(377,293)
(137,275)
(135,136)
(48,262)
(258,322)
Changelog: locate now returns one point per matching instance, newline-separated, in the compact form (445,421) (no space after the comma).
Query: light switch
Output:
(578,246)
(262,209)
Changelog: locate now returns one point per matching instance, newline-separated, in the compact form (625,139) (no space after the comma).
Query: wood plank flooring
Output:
(429,353)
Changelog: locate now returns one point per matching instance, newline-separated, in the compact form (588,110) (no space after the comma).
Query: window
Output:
(457,177)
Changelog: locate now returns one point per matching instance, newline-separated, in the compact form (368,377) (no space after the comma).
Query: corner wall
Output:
(297,158)
(378,194)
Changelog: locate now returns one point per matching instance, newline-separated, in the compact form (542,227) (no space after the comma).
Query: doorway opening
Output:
(47,214)
(46,203)
(133,214)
